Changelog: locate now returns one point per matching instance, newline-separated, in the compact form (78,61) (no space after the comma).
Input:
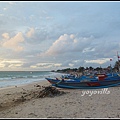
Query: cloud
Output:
(63,39)
(99,61)
(5,35)
(10,63)
(69,43)
(45,65)
(30,33)
(71,65)
(13,43)
(4,8)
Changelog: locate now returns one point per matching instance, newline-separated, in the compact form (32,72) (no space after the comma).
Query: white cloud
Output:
(30,33)
(13,43)
(89,49)
(5,35)
(99,61)
(75,61)
(10,63)
(46,65)
(69,43)
(43,30)
(72,36)
(2,65)
(15,65)
(71,65)
(4,8)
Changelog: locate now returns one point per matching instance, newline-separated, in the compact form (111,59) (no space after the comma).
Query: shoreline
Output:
(22,85)
(72,104)
(11,78)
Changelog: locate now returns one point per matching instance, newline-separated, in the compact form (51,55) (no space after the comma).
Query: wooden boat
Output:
(84,78)
(91,83)
(56,80)
(53,80)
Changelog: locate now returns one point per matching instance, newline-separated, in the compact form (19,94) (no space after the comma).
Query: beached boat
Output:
(101,81)
(88,84)
(67,77)
(56,80)
(53,80)
(84,78)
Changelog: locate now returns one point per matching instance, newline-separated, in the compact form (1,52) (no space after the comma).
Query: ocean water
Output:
(14,78)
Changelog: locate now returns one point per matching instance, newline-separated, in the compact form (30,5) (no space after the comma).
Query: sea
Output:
(15,78)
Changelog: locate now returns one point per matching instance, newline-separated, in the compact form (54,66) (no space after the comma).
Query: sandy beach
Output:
(22,102)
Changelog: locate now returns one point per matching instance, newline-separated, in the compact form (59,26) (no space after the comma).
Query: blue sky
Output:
(56,35)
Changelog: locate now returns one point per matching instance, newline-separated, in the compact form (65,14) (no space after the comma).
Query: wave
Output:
(18,78)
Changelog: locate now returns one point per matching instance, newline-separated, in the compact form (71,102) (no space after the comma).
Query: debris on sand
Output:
(26,95)
(50,91)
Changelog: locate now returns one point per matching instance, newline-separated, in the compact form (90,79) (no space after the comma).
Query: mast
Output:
(118,60)
(111,66)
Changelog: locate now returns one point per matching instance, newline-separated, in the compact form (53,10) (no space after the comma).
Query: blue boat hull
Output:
(88,85)
(74,84)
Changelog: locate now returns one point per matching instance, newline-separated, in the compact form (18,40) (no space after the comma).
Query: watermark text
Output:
(91,92)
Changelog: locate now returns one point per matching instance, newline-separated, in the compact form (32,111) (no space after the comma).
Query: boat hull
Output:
(53,81)
(87,85)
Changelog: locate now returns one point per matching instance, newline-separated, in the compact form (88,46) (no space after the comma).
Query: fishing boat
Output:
(53,80)
(82,78)
(68,77)
(89,82)
(101,81)
(56,79)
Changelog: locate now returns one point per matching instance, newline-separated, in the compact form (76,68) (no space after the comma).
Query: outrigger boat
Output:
(92,82)
(101,81)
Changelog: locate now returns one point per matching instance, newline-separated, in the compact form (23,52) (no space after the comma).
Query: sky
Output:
(45,36)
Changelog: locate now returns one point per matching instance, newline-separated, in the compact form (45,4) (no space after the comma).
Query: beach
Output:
(21,102)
